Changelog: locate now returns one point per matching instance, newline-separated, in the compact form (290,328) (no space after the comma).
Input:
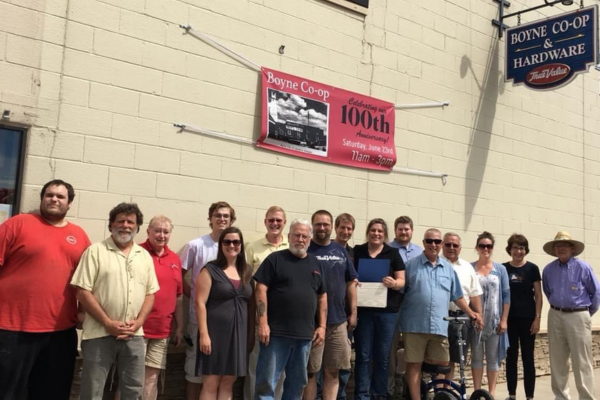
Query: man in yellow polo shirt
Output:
(115,282)
(256,252)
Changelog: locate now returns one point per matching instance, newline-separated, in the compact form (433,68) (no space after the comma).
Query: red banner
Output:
(308,119)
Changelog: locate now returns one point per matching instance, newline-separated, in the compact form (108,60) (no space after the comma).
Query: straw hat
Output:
(564,236)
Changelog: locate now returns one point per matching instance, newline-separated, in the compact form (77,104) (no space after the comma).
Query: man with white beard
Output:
(290,292)
(115,283)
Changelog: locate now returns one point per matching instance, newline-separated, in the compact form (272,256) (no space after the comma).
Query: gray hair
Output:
(160,219)
(447,234)
(300,221)
(432,230)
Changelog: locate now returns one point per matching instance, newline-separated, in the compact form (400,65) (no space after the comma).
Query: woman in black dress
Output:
(225,312)
(524,317)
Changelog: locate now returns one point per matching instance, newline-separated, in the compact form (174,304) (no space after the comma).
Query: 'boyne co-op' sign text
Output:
(548,54)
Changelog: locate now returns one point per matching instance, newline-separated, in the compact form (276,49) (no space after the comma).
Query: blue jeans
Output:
(344,377)
(282,354)
(372,338)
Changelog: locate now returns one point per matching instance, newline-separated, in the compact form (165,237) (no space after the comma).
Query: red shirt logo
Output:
(71,239)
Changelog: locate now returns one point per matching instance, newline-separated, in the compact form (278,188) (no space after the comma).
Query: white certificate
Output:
(371,294)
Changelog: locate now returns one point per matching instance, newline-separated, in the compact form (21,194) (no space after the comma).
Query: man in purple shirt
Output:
(573,292)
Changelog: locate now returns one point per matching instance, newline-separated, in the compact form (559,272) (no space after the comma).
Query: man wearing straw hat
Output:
(573,292)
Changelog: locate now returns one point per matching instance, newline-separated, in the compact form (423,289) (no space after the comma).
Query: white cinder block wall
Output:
(100,83)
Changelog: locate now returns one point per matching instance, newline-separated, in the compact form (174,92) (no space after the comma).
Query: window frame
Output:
(16,209)
(351,5)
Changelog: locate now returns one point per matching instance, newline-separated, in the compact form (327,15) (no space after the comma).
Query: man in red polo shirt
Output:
(168,302)
(38,307)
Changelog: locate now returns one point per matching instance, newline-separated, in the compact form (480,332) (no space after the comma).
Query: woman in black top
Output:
(225,310)
(524,317)
(375,329)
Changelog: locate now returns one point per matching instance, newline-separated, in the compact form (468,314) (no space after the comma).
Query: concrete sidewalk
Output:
(543,391)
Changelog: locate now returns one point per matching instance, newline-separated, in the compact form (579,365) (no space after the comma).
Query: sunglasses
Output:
(485,246)
(436,241)
(452,245)
(219,215)
(235,242)
(273,220)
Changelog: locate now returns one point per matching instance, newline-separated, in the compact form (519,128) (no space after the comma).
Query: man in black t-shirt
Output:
(290,291)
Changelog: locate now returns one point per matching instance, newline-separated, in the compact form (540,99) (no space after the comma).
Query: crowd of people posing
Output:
(281,311)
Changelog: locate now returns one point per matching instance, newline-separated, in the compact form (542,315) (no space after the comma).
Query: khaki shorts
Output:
(419,347)
(334,352)
(190,355)
(156,353)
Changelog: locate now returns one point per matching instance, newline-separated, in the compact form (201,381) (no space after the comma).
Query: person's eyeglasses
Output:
(436,241)
(224,216)
(299,236)
(485,246)
(518,248)
(452,245)
(272,220)
(235,242)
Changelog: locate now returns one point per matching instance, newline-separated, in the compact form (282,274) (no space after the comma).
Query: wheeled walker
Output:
(434,388)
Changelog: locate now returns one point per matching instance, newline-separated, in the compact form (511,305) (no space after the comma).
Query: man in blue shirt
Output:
(403,228)
(573,292)
(334,353)
(431,284)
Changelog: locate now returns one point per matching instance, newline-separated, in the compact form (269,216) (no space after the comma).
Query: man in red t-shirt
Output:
(38,308)
(168,302)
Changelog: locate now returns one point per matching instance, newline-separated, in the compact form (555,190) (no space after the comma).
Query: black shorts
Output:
(453,339)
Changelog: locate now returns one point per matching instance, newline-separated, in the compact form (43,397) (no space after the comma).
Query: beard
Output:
(54,215)
(122,236)
(322,236)
(300,253)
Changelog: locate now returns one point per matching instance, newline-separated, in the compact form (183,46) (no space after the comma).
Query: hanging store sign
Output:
(311,120)
(550,53)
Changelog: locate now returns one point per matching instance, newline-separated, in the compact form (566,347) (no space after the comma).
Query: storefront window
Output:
(12,149)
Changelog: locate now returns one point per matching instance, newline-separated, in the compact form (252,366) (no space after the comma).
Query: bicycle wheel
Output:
(443,396)
(481,394)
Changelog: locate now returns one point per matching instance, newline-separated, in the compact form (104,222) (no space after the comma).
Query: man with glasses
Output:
(256,252)
(334,353)
(573,292)
(472,294)
(194,257)
(431,284)
(290,293)
(167,311)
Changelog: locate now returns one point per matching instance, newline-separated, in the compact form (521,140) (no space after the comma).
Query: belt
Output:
(455,313)
(570,309)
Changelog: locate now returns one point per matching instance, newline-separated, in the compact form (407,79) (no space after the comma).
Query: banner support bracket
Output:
(504,3)
(250,142)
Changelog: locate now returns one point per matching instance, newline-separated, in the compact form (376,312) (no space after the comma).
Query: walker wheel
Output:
(481,394)
(443,396)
